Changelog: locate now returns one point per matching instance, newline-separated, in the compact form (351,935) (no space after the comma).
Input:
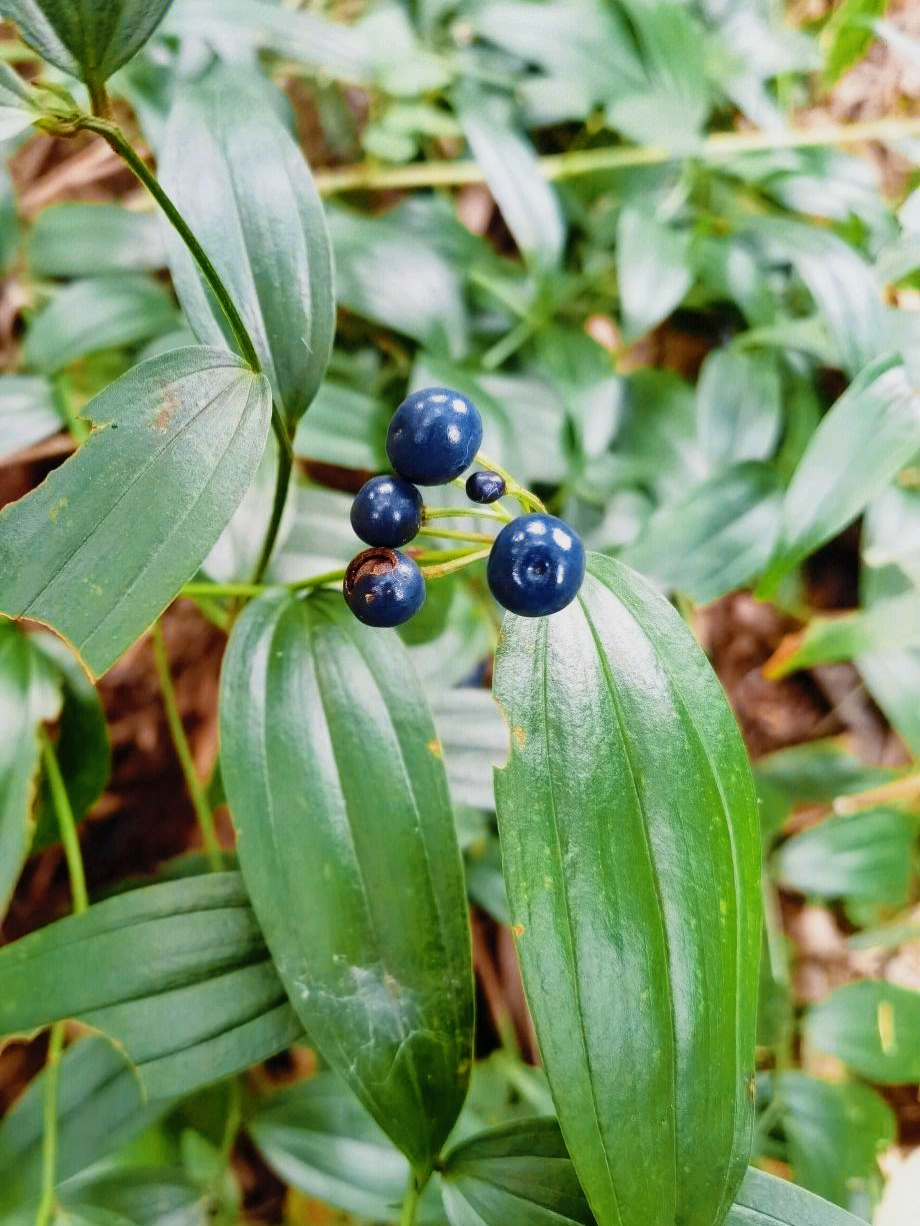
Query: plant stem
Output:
(493,512)
(467,558)
(527,500)
(329,576)
(48,1200)
(192,782)
(111,133)
(577,162)
(903,790)
(282,488)
(99,99)
(410,1201)
(455,534)
(66,824)
(218,590)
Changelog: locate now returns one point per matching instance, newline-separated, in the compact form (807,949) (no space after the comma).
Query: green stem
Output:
(99,99)
(192,782)
(493,512)
(111,133)
(466,558)
(455,534)
(329,576)
(282,488)
(48,1202)
(220,590)
(67,825)
(576,162)
(527,500)
(410,1200)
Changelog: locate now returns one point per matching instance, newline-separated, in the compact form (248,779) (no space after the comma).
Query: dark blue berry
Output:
(434,435)
(383,587)
(485,487)
(536,566)
(387,511)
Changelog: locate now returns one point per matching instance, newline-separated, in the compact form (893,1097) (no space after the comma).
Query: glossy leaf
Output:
(30,695)
(90,39)
(520,1172)
(86,240)
(764,1200)
(27,412)
(100,1107)
(872,1026)
(653,268)
(268,239)
(347,844)
(739,406)
(630,842)
(862,855)
(869,433)
(716,538)
(102,546)
(16,110)
(888,625)
(848,35)
(95,314)
(177,974)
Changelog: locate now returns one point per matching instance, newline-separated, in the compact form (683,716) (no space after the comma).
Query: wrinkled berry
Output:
(485,487)
(434,435)
(536,566)
(387,511)
(383,587)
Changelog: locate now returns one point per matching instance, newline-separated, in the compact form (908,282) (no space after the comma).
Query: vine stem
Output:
(282,488)
(558,166)
(80,902)
(192,782)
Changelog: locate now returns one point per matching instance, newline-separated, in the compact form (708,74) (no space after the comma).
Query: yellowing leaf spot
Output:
(55,511)
(518,930)
(435,747)
(520,736)
(723,906)
(886,1034)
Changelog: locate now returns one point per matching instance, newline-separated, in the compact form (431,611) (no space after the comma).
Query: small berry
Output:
(536,566)
(434,435)
(387,511)
(485,487)
(383,587)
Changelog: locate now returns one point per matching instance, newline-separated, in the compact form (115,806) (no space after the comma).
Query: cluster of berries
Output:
(536,565)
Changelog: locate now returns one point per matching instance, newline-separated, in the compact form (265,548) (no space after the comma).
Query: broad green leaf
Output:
(848,35)
(836,1133)
(86,240)
(653,268)
(27,411)
(890,537)
(862,855)
(520,1172)
(865,438)
(739,406)
(176,974)
(268,239)
(100,1107)
(344,427)
(528,204)
(715,538)
(30,695)
(764,1200)
(95,314)
(631,848)
(888,625)
(348,848)
(102,546)
(17,111)
(137,1197)
(89,39)
(872,1026)
(819,772)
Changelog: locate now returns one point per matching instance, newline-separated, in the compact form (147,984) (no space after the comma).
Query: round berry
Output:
(536,566)
(383,587)
(485,487)
(387,511)
(434,435)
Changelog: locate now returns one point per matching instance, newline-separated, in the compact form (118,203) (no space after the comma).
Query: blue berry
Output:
(536,566)
(383,587)
(434,435)
(485,487)
(387,511)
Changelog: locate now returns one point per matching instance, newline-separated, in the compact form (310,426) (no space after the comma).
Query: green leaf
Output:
(96,314)
(739,406)
(653,267)
(268,240)
(764,1200)
(89,39)
(872,1026)
(520,1172)
(348,847)
(892,677)
(864,439)
(888,625)
(177,974)
(819,772)
(30,695)
(104,544)
(27,412)
(631,847)
(715,538)
(137,1197)
(345,427)
(100,1107)
(862,855)
(17,111)
(836,1133)
(86,240)
(848,35)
